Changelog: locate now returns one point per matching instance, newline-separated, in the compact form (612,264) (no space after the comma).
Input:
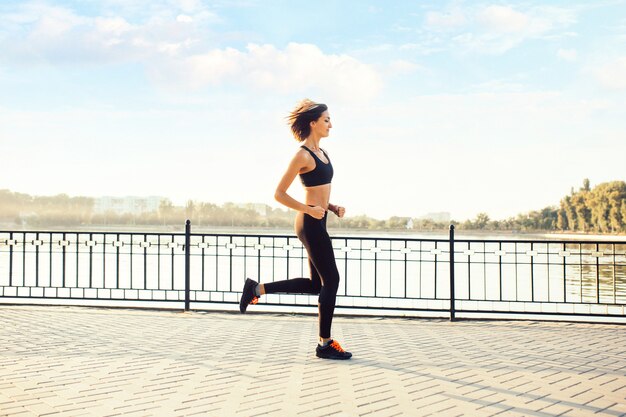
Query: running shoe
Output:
(333,350)
(248,297)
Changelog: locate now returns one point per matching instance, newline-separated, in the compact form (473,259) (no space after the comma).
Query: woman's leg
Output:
(295,285)
(298,285)
(324,274)
(253,290)
(314,237)
(323,259)
(322,256)
(324,280)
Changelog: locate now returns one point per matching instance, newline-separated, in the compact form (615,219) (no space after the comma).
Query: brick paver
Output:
(73,361)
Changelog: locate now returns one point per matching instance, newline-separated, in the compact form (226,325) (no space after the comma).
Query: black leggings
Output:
(324,274)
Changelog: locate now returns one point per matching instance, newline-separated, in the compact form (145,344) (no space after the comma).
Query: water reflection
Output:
(542,271)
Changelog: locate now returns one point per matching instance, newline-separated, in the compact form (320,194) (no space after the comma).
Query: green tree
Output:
(616,221)
(586,185)
(481,220)
(561,222)
(570,213)
(166,210)
(583,214)
(396,222)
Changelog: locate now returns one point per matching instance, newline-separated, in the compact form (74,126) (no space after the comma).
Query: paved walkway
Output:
(72,361)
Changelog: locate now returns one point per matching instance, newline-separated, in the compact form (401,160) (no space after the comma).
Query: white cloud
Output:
(122,31)
(445,20)
(138,10)
(493,29)
(486,43)
(57,35)
(112,25)
(534,22)
(567,54)
(177,51)
(184,18)
(298,68)
(503,19)
(190,6)
(54,22)
(613,74)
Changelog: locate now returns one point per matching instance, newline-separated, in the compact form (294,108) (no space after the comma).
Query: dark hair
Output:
(301,117)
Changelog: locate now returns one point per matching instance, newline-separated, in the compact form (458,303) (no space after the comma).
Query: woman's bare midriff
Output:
(318,196)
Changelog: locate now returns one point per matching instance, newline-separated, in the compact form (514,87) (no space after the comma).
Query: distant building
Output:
(441,217)
(127,205)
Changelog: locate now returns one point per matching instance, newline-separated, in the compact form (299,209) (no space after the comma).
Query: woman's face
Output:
(322,125)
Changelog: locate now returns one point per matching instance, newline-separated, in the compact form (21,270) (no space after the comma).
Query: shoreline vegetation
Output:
(587,212)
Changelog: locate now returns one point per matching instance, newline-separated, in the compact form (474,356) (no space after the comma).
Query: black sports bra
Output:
(322,174)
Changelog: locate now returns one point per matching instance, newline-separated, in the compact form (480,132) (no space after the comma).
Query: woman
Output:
(310,122)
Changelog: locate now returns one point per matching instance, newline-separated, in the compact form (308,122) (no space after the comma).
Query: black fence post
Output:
(187,262)
(452,295)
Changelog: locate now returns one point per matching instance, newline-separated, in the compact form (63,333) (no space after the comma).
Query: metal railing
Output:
(448,277)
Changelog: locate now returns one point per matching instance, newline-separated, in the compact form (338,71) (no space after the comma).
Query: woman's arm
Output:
(338,210)
(298,162)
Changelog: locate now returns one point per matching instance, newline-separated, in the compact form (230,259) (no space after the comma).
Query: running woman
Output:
(310,122)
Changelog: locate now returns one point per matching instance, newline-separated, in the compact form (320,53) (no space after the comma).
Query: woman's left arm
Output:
(338,210)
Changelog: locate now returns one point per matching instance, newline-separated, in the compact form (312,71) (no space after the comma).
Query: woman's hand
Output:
(338,210)
(316,212)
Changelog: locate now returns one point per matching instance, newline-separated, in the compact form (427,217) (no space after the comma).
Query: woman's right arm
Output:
(298,162)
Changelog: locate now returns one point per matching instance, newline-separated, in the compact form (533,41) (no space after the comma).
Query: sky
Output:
(437,106)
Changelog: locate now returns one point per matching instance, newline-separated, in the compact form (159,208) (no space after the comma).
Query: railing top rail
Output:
(344,237)
(95,232)
(254,235)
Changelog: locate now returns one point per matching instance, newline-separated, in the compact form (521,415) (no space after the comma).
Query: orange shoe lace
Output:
(337,346)
(254,300)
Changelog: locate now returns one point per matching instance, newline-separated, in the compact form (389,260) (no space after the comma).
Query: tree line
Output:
(598,210)
(586,210)
(601,209)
